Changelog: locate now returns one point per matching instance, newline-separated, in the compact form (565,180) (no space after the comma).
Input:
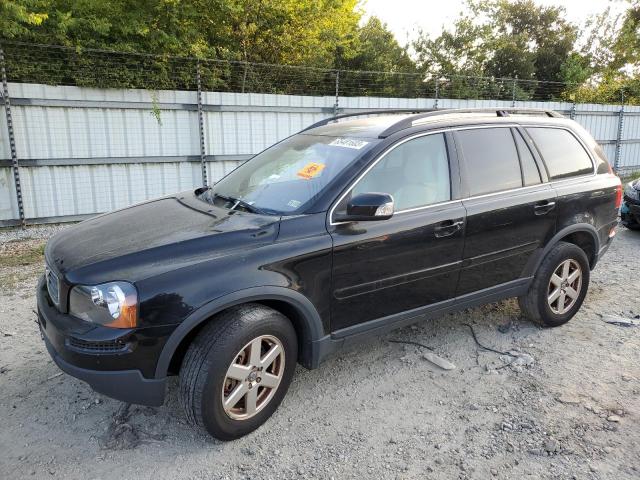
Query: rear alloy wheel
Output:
(564,285)
(559,286)
(237,370)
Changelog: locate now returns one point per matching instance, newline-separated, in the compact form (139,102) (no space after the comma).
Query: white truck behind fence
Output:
(83,151)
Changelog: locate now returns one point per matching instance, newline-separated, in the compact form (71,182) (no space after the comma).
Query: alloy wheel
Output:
(253,377)
(564,286)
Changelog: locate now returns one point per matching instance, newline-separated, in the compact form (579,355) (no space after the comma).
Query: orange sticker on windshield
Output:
(311,170)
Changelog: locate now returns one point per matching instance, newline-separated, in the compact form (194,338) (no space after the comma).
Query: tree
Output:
(610,58)
(501,39)
(460,51)
(626,46)
(16,17)
(277,31)
(376,49)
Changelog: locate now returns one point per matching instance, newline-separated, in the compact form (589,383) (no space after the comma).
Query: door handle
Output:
(544,207)
(447,228)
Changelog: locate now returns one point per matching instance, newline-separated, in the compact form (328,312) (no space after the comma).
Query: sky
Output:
(404,17)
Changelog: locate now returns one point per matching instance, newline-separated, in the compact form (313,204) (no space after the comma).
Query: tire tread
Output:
(221,328)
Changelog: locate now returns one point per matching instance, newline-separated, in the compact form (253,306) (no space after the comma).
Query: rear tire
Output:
(226,385)
(559,286)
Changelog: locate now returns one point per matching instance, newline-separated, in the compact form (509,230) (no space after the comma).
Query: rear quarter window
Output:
(561,151)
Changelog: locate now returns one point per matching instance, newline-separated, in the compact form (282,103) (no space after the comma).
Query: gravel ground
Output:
(568,407)
(31,232)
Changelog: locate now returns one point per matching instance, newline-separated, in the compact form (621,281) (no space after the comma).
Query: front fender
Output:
(317,341)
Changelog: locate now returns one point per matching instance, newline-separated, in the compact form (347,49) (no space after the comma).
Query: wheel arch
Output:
(295,306)
(584,235)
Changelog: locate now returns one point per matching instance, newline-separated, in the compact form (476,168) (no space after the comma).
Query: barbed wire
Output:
(85,67)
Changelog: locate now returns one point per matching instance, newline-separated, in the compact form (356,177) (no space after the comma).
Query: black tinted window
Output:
(562,153)
(491,158)
(530,172)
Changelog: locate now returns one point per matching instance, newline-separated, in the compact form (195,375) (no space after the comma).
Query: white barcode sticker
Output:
(349,143)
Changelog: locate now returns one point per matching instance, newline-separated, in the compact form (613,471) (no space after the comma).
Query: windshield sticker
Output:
(311,170)
(294,203)
(349,143)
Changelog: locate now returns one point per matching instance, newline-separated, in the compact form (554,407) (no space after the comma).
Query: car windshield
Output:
(286,177)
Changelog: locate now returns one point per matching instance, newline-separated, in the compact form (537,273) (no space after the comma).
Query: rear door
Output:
(511,210)
(383,268)
(582,196)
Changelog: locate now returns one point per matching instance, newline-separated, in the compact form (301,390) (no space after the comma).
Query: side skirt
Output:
(356,333)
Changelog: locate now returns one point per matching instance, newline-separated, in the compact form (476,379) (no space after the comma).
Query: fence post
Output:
(435,104)
(616,161)
(203,153)
(12,138)
(337,103)
(572,114)
(513,92)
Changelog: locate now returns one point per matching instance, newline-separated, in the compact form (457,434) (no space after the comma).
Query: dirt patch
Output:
(20,263)
(21,253)
(521,402)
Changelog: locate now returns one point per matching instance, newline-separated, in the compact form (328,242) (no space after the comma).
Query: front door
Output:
(413,259)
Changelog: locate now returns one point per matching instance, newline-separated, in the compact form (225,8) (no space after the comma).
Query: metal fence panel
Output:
(85,151)
(8,203)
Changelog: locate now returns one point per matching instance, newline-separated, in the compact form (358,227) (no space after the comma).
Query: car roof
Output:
(380,124)
(369,127)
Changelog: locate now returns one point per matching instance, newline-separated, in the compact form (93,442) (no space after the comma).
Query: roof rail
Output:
(420,113)
(379,111)
(498,111)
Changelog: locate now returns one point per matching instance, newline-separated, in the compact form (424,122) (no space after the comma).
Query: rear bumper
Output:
(62,334)
(601,253)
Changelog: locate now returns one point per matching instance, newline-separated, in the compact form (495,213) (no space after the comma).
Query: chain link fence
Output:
(208,116)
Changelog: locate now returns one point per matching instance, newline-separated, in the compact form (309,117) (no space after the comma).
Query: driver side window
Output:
(415,173)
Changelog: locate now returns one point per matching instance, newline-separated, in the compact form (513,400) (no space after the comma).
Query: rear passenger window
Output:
(562,153)
(491,158)
(530,172)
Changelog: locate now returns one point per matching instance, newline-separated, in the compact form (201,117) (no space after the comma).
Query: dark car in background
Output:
(630,210)
(347,229)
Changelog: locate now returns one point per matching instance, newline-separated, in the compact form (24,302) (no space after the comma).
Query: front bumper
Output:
(89,352)
(630,210)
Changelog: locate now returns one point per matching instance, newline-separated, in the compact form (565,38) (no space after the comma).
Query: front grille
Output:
(53,286)
(109,346)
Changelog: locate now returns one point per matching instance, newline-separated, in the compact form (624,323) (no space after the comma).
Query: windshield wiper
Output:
(239,202)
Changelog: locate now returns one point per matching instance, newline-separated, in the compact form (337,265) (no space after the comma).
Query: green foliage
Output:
(241,35)
(16,17)
(375,49)
(502,39)
(273,31)
(258,45)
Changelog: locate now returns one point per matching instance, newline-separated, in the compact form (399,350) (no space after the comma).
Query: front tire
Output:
(237,370)
(559,286)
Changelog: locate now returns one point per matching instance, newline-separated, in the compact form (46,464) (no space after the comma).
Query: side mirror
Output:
(367,207)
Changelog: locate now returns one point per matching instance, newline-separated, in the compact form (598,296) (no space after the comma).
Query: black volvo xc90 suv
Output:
(349,228)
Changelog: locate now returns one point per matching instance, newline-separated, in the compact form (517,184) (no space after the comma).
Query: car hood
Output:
(154,237)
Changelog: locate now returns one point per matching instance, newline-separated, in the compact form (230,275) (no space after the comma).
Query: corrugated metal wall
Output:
(84,151)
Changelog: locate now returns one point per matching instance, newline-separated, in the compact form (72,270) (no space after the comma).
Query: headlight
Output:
(630,190)
(113,304)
